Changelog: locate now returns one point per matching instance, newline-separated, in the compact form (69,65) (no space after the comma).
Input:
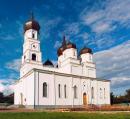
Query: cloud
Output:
(49,25)
(57,44)
(14,65)
(120,82)
(114,64)
(6,86)
(103,20)
(83,35)
(71,29)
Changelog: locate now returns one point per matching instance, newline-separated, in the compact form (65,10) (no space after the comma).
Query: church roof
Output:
(48,63)
(64,46)
(31,24)
(70,45)
(86,50)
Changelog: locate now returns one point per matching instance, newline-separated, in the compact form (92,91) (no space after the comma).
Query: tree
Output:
(1,97)
(112,98)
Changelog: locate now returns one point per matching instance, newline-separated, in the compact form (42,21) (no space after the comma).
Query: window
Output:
(44,89)
(74,53)
(104,93)
(100,93)
(75,91)
(92,90)
(65,90)
(34,46)
(34,57)
(64,55)
(90,57)
(59,90)
(24,57)
(33,35)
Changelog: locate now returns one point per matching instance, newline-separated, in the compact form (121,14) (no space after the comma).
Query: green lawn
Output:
(63,115)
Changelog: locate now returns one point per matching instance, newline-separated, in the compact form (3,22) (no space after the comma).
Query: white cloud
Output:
(114,64)
(7,37)
(6,86)
(102,20)
(49,25)
(83,35)
(2,87)
(14,65)
(71,29)
(57,44)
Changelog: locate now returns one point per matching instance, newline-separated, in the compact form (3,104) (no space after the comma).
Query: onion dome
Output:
(31,24)
(60,51)
(48,63)
(70,45)
(86,50)
(62,47)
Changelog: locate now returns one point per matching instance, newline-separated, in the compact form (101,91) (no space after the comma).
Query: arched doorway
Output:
(84,99)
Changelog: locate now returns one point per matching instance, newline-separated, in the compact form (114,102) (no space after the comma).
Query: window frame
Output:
(45,90)
(59,90)
(75,92)
(34,57)
(65,91)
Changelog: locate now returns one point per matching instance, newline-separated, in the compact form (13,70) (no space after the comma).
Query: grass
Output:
(62,115)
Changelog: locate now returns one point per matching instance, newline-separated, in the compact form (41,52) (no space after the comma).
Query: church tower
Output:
(31,47)
(86,57)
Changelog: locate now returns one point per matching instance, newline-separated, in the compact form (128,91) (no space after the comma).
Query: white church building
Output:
(72,83)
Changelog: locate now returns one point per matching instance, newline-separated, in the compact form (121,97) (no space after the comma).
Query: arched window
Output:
(104,93)
(64,55)
(44,89)
(59,90)
(100,93)
(75,91)
(65,90)
(34,57)
(33,35)
(24,57)
(92,91)
(74,53)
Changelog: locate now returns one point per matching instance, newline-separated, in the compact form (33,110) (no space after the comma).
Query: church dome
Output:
(70,45)
(48,63)
(60,51)
(31,24)
(86,50)
(62,47)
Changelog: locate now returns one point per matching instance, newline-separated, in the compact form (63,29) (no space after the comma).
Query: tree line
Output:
(9,99)
(121,99)
(114,99)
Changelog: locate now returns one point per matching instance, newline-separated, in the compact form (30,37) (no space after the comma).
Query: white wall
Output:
(71,52)
(84,85)
(49,79)
(87,57)
(24,86)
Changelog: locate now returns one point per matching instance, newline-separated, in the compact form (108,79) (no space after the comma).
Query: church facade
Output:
(72,83)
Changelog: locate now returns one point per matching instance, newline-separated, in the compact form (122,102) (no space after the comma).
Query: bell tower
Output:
(31,47)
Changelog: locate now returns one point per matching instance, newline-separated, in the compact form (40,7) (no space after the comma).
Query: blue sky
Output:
(103,25)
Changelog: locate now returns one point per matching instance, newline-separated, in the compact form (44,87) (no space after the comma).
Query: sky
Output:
(102,25)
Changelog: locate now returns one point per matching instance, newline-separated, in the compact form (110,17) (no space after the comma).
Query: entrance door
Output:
(84,99)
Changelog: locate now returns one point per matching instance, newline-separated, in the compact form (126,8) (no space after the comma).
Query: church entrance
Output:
(84,99)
